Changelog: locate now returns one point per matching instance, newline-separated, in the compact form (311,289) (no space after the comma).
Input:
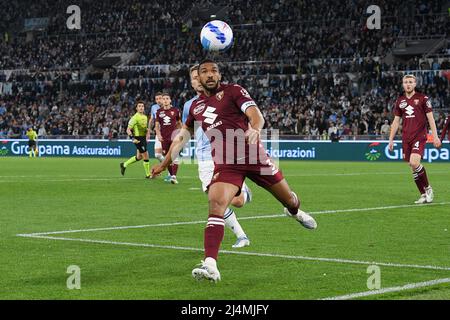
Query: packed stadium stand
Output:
(312,66)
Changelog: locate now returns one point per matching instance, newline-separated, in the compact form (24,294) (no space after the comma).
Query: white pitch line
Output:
(195,177)
(408,286)
(71,180)
(241,218)
(270,255)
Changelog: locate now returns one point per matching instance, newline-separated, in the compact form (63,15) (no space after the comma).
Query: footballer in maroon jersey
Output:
(232,122)
(167,123)
(415,110)
(446,129)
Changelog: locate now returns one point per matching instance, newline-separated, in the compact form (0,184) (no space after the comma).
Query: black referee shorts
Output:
(31,143)
(142,145)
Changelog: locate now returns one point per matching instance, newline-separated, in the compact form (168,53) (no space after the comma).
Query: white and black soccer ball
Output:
(216,35)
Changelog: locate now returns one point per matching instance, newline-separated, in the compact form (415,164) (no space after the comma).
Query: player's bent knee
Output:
(414,164)
(217,207)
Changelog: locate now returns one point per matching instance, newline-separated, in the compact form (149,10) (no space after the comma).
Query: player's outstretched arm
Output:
(256,124)
(177,145)
(394,129)
(436,141)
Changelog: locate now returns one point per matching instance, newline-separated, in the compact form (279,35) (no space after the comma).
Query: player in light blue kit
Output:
(206,168)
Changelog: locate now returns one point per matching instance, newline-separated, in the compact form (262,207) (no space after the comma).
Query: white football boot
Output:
(206,271)
(173,180)
(422,199)
(302,217)
(241,242)
(429,194)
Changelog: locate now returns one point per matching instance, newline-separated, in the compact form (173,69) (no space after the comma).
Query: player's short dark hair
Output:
(139,102)
(207,61)
(165,94)
(159,93)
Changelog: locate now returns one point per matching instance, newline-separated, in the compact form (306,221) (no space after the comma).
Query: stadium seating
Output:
(306,73)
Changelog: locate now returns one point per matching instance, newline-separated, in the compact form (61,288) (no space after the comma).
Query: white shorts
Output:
(205,173)
(157,143)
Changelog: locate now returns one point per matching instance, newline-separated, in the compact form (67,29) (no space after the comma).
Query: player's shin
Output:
(146,164)
(130,161)
(159,156)
(293,205)
(420,178)
(213,237)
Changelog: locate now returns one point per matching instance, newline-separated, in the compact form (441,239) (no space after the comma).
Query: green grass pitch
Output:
(410,244)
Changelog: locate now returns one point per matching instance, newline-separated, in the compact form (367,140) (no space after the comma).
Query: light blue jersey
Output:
(203,146)
(153,110)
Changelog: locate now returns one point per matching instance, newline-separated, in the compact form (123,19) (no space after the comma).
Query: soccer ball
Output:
(216,35)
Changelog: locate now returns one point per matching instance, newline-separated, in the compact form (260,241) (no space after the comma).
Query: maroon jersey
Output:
(168,120)
(222,117)
(413,112)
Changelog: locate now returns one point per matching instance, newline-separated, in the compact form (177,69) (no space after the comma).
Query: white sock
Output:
(159,156)
(232,223)
(211,262)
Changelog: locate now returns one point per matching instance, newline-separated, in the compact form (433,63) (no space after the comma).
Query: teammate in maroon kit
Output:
(415,109)
(232,122)
(168,120)
(446,129)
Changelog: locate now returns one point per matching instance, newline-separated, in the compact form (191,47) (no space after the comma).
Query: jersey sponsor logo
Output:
(210,116)
(162,114)
(199,108)
(410,112)
(166,121)
(403,104)
(219,95)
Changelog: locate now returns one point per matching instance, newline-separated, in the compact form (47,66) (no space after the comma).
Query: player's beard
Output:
(210,89)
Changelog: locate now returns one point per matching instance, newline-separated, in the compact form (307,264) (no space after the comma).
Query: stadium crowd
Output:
(315,105)
(161,33)
(321,72)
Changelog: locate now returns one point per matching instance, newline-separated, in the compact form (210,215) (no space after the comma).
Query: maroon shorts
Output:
(264,175)
(165,145)
(415,146)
